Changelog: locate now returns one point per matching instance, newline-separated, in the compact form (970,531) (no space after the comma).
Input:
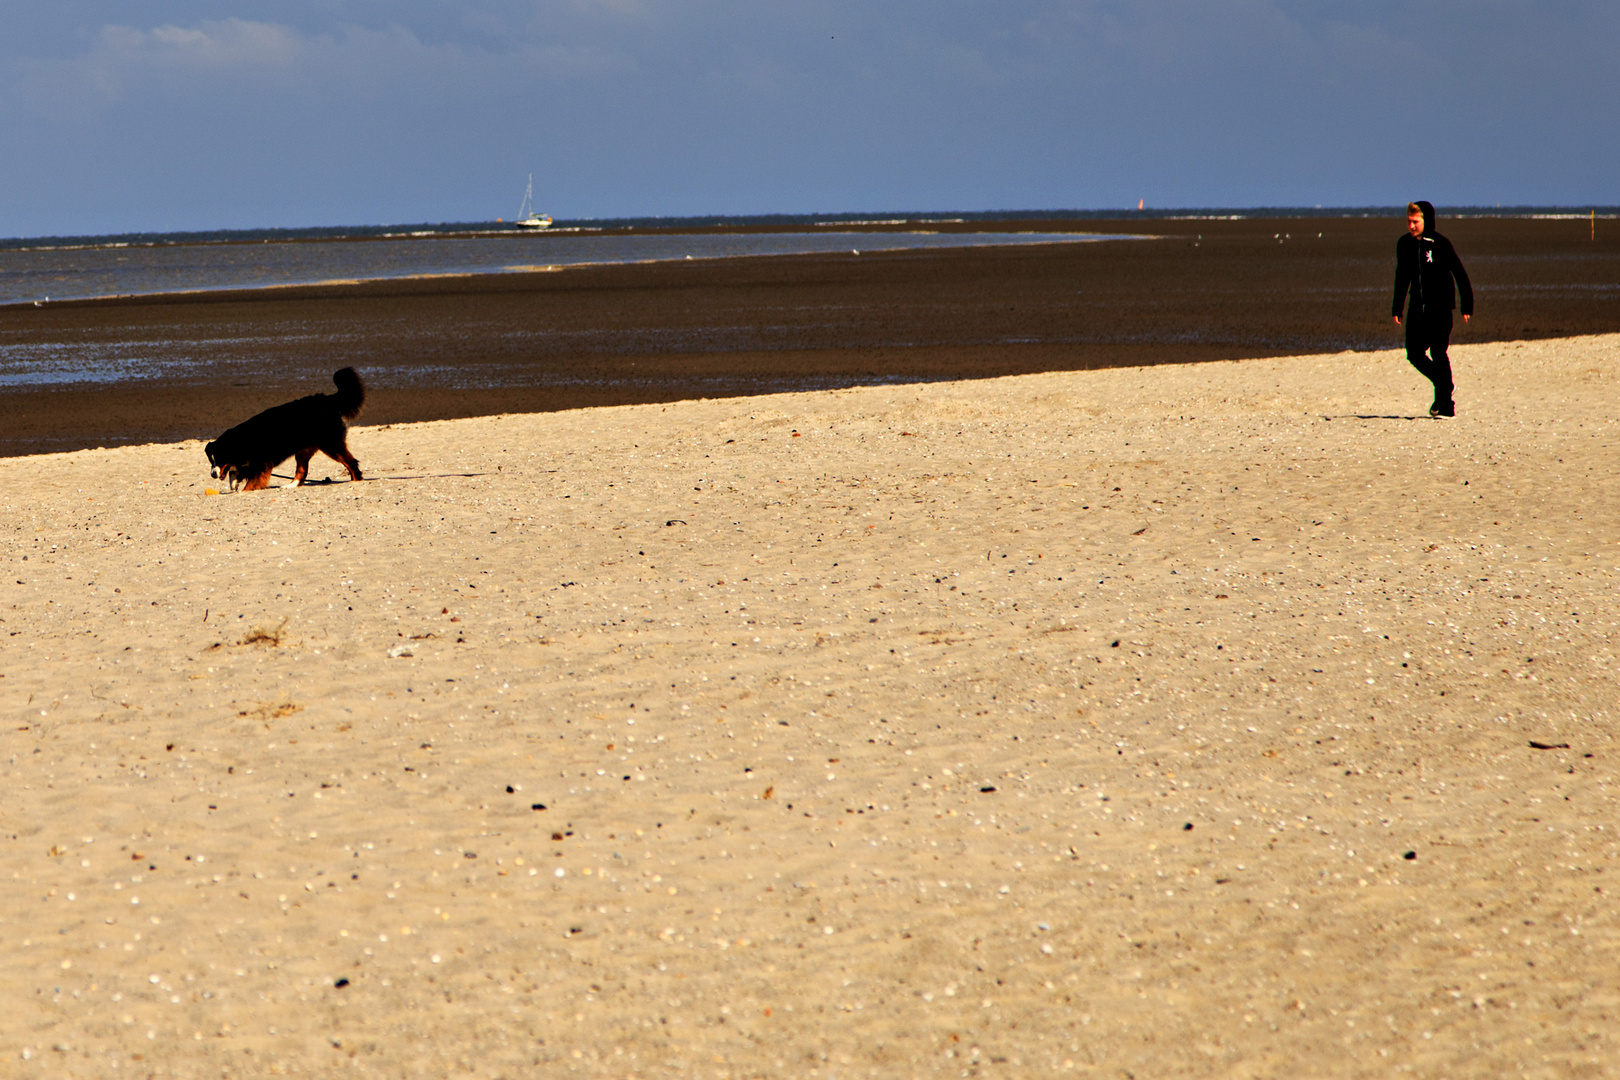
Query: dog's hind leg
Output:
(340,454)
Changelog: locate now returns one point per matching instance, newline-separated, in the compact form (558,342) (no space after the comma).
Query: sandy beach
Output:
(1207,719)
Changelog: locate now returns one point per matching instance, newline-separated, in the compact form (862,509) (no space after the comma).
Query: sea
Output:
(41,270)
(48,270)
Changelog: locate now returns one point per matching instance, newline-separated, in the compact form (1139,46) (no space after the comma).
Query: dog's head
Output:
(218,468)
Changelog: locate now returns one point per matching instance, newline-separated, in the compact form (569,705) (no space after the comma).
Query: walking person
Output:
(1427,268)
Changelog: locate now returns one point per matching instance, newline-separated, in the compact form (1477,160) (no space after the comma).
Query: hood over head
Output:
(1428,215)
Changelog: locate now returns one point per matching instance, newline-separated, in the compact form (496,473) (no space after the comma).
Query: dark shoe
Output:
(1448,409)
(1434,410)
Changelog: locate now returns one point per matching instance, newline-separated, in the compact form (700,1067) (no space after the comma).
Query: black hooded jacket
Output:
(1427,266)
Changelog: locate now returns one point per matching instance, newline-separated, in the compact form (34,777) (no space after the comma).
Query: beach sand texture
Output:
(1171,721)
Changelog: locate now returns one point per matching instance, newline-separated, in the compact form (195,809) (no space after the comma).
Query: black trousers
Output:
(1427,337)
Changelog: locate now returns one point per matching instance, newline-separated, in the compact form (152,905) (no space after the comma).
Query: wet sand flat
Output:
(613,335)
(1216,719)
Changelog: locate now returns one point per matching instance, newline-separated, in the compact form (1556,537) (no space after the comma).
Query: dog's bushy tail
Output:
(351,392)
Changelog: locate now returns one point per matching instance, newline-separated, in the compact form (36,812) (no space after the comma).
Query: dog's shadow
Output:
(1383,416)
(326,481)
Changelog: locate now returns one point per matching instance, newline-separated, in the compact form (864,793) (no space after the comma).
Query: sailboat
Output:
(527,218)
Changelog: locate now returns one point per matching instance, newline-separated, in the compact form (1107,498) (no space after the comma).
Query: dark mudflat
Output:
(452,347)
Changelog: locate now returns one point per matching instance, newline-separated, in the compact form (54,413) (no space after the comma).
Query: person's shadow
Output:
(1384,416)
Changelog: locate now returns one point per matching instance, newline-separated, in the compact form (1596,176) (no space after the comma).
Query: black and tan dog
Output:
(246,453)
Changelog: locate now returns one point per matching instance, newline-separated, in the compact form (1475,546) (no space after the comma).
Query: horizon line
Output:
(853,218)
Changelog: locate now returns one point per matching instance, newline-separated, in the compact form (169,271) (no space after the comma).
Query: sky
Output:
(159,115)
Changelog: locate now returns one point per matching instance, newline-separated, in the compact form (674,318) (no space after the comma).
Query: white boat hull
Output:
(527,218)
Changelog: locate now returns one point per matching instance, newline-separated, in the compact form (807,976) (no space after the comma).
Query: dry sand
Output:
(1145,722)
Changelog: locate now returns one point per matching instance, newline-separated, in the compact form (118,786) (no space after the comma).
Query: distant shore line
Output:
(952,221)
(496,269)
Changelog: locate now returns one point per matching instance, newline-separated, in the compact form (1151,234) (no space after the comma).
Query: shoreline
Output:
(964,220)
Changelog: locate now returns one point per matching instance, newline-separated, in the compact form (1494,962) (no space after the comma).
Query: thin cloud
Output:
(209,46)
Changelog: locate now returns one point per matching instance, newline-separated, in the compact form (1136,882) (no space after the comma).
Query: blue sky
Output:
(118,115)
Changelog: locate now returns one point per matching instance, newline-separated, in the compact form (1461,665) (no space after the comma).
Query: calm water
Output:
(96,270)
